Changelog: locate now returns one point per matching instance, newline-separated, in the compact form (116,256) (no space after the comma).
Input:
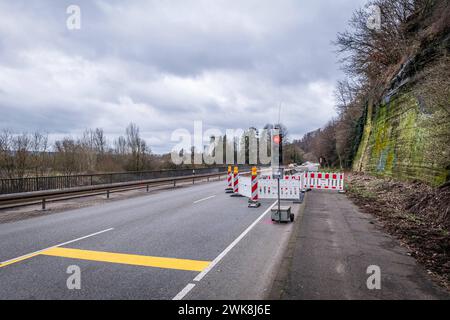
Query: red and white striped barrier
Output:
(229,188)
(265,187)
(254,188)
(292,187)
(253,201)
(324,180)
(236,180)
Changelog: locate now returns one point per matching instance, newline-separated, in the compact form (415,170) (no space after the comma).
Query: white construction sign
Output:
(292,185)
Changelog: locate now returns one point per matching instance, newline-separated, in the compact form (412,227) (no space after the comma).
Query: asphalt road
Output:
(196,242)
(192,242)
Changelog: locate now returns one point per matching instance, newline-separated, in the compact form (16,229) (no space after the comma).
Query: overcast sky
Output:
(165,64)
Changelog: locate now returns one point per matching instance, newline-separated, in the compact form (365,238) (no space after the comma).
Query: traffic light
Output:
(277,148)
(281,147)
(277,139)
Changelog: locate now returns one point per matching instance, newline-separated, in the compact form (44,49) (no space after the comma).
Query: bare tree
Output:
(100,141)
(344,94)
(120,146)
(69,158)
(369,52)
(137,146)
(6,155)
(21,148)
(39,157)
(86,146)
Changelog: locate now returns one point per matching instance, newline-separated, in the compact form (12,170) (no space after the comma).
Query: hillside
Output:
(394,105)
(407,135)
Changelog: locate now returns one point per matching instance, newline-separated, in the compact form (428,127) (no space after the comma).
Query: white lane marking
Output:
(231,246)
(200,276)
(57,245)
(184,292)
(204,199)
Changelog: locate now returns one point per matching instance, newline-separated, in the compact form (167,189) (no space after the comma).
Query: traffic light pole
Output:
(277,164)
(279,202)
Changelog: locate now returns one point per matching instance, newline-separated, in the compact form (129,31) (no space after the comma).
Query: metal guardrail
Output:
(20,185)
(36,197)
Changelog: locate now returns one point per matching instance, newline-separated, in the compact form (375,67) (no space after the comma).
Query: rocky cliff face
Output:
(405,141)
(407,134)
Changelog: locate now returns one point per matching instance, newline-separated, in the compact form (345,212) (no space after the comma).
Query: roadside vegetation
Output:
(33,155)
(416,214)
(409,53)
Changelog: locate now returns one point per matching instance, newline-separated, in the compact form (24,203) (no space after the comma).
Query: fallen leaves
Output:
(415,213)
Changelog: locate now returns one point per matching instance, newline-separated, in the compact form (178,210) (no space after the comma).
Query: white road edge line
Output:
(200,276)
(231,246)
(184,292)
(57,245)
(204,199)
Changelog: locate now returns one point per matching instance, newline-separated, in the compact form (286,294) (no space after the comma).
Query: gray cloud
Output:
(165,64)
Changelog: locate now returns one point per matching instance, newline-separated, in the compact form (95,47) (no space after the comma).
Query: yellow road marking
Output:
(36,253)
(132,259)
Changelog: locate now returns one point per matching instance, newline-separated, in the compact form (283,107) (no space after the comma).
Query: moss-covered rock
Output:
(406,140)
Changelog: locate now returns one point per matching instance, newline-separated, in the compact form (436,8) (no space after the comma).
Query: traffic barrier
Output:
(253,201)
(324,180)
(290,188)
(229,188)
(265,187)
(245,186)
(236,180)
(236,183)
